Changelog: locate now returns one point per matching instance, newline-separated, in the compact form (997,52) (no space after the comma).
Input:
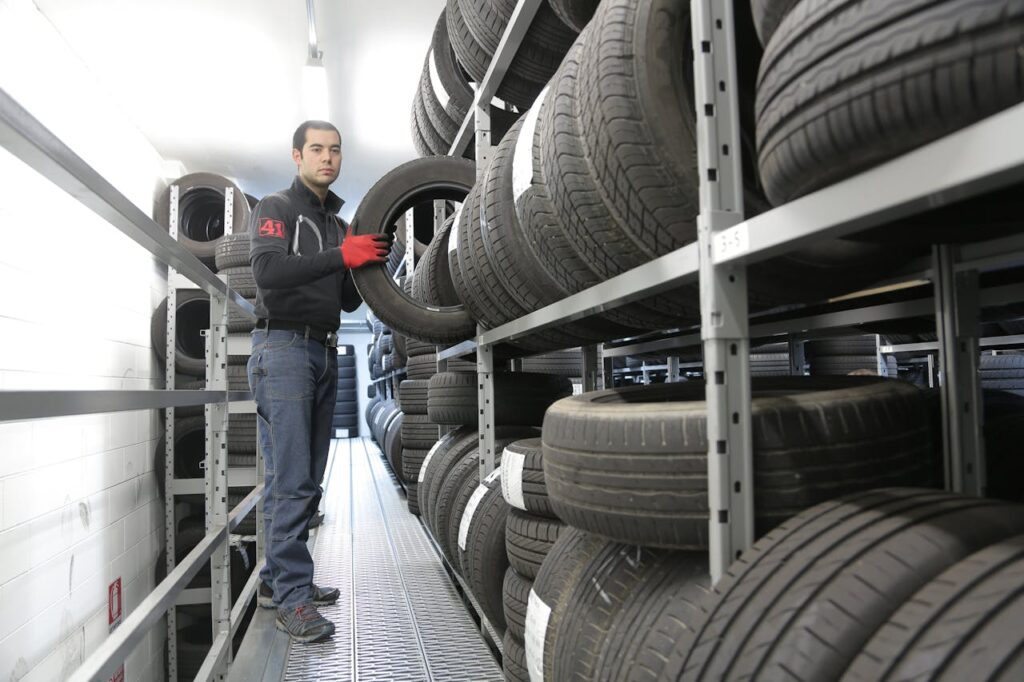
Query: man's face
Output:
(319,161)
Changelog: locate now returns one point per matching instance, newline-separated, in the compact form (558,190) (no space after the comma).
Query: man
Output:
(301,255)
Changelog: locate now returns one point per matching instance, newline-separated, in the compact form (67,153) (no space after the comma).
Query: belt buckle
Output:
(332,340)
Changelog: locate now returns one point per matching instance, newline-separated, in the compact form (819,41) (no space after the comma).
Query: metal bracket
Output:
(485,402)
(957,316)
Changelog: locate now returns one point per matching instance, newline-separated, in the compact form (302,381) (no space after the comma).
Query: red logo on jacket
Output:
(272,228)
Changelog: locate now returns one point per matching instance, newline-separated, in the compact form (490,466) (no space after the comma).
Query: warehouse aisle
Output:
(399,617)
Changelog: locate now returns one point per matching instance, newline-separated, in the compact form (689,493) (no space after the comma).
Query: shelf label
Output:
(512,479)
(537,616)
(467,516)
(732,242)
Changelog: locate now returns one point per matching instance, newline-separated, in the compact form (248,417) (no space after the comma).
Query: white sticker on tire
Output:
(537,616)
(435,80)
(430,455)
(467,516)
(453,233)
(512,479)
(522,155)
(491,477)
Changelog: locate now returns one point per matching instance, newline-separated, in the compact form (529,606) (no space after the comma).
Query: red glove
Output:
(358,250)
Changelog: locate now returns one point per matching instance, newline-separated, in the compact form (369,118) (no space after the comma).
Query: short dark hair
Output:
(299,138)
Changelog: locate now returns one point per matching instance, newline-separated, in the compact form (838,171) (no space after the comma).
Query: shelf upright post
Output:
(442,364)
(609,372)
(170,525)
(485,403)
(590,364)
(881,368)
(217,458)
(410,244)
(957,319)
(723,289)
(672,366)
(797,357)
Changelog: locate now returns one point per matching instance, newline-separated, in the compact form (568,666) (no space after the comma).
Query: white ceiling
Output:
(217,84)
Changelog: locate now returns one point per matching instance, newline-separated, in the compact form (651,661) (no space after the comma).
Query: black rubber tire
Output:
(421,367)
(393,443)
(346,384)
(631,463)
(409,184)
(189,447)
(454,91)
(612,579)
(551,593)
(529,539)
(575,14)
(513,660)
(418,432)
(414,348)
(657,612)
(233,251)
(345,422)
(963,625)
(541,49)
(515,592)
(565,363)
(851,345)
(839,365)
(438,116)
(522,478)
(239,322)
(521,398)
(768,14)
(412,396)
(242,436)
(438,463)
(626,194)
(482,555)
(858,82)
(804,601)
(452,498)
(201,213)
(412,496)
(193,316)
(412,460)
(433,282)
(241,280)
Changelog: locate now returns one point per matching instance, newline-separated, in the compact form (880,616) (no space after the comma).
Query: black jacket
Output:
(296,260)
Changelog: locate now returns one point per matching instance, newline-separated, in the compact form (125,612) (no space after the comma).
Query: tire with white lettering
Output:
(631,463)
(452,498)
(411,183)
(529,539)
(839,78)
(412,495)
(957,626)
(201,213)
(481,547)
(805,600)
(523,478)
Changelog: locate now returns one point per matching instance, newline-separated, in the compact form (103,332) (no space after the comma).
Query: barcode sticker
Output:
(512,479)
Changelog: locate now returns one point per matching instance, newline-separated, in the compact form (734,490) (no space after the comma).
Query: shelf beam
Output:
(19,405)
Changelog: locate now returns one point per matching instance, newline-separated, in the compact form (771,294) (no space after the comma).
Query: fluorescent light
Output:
(314,92)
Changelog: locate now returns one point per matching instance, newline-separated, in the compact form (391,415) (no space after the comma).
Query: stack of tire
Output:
(346,406)
(626,470)
(1003,372)
(846,355)
(770,360)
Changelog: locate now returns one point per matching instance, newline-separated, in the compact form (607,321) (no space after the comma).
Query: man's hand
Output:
(358,250)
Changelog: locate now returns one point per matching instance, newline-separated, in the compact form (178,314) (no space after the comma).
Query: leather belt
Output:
(318,334)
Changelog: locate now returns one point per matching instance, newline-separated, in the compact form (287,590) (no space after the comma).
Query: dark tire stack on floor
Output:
(346,408)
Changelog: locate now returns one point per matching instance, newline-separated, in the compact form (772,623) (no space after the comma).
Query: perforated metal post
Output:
(410,245)
(957,322)
(485,403)
(482,119)
(589,369)
(723,289)
(170,526)
(673,369)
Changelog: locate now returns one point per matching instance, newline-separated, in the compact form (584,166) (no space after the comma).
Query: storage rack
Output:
(960,165)
(27,139)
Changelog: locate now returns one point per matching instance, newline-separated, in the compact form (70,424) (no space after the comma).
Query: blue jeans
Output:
(294,381)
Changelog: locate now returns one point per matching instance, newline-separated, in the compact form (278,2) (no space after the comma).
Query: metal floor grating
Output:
(399,616)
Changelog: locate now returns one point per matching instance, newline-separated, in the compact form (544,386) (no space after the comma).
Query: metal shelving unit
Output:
(963,164)
(26,138)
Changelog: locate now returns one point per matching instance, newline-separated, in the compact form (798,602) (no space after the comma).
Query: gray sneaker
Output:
(322,596)
(304,624)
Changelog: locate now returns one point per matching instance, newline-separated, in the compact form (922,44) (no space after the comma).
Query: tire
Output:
(661,607)
(242,436)
(201,213)
(452,498)
(574,13)
(841,80)
(412,461)
(433,282)
(239,322)
(233,251)
(345,422)
(529,539)
(513,660)
(412,495)
(481,547)
(418,432)
(416,348)
(854,345)
(193,316)
(412,396)
(805,600)
(515,597)
(565,363)
(241,280)
(958,626)
(630,463)
(768,14)
(439,461)
(843,364)
(451,87)
(551,594)
(405,186)
(393,443)
(189,447)
(421,367)
(521,398)
(522,478)
(612,579)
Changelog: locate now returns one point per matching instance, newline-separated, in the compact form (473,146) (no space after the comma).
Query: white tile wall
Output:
(78,496)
